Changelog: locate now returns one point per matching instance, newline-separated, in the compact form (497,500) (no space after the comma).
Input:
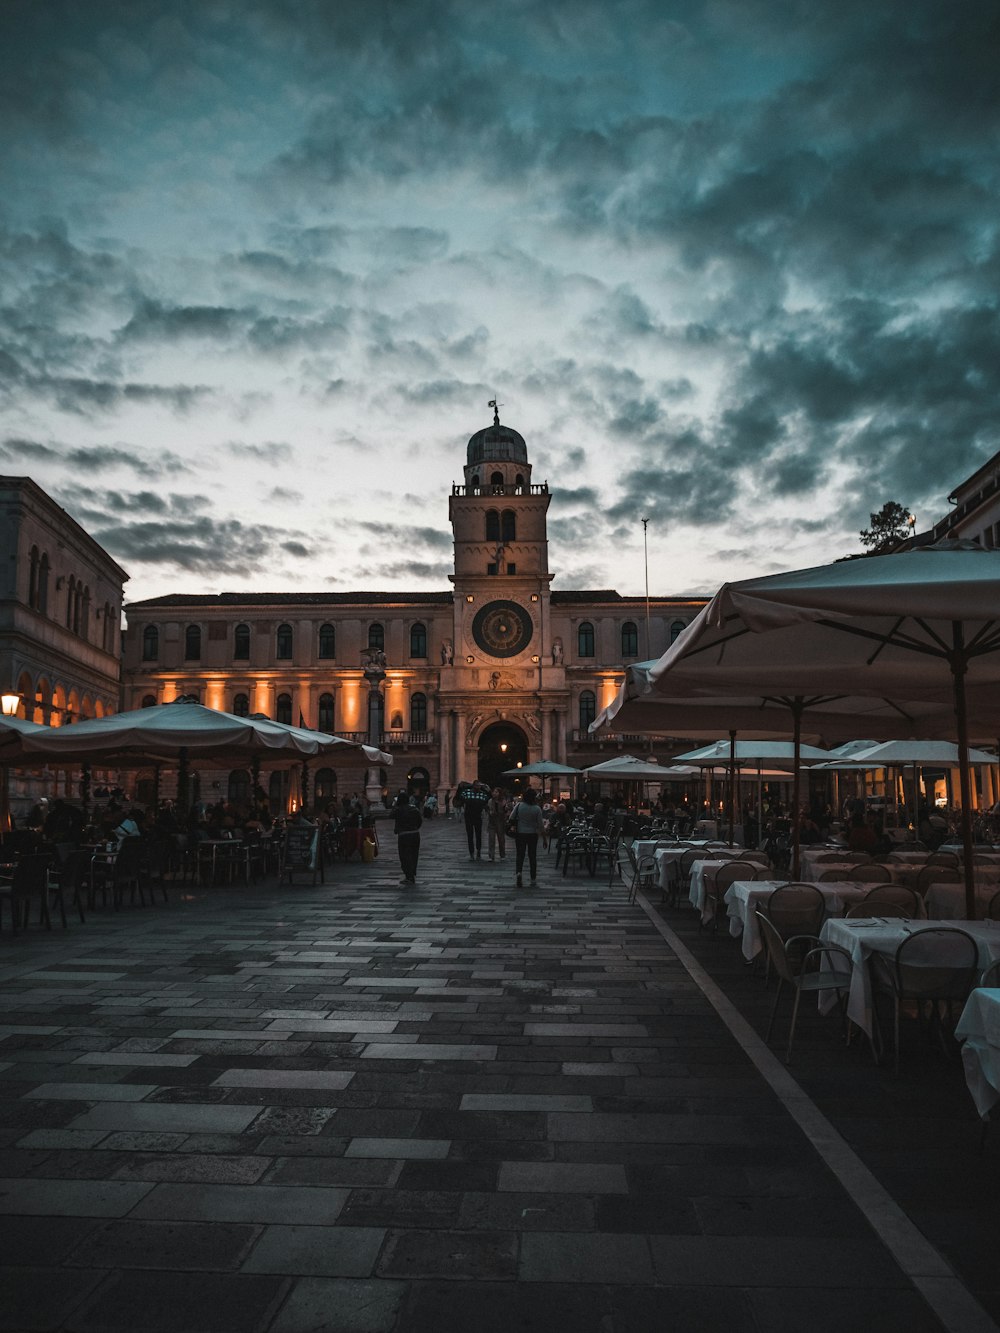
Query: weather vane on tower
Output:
(496,410)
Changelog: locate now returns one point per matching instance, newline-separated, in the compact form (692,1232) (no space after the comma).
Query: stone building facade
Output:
(60,610)
(499,670)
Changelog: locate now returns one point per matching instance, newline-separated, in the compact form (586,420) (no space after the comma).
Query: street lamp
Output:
(10,703)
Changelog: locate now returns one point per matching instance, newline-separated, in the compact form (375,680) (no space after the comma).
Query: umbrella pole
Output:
(796,782)
(731,795)
(183,781)
(85,790)
(760,805)
(958,668)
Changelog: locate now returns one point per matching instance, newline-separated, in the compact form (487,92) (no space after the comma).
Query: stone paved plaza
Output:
(374,1108)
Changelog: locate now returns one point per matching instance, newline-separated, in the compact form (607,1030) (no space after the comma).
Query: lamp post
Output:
(374,669)
(645,562)
(10,703)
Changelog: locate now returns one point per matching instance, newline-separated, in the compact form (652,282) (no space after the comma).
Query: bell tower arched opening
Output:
(501,746)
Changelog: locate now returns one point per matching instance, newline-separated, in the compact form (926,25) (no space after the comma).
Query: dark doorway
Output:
(501,746)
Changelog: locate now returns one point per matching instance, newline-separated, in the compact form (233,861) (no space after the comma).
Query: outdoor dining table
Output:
(947,901)
(863,937)
(745,898)
(979,1030)
(668,859)
(809,856)
(702,877)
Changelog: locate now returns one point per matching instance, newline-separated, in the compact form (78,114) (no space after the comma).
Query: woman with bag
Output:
(497,814)
(527,821)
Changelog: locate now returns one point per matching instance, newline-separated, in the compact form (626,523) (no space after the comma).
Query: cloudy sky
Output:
(731,265)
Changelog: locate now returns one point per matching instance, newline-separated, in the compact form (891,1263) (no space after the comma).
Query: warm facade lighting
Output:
(10,703)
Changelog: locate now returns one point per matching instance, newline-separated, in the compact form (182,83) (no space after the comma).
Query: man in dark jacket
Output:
(473,809)
(406,821)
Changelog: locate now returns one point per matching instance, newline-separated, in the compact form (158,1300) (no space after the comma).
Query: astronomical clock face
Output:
(502,629)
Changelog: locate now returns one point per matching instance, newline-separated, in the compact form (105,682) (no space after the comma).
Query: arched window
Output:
(492,525)
(325,786)
(241,705)
(418,712)
(508,526)
(109,629)
(496,483)
(678,627)
(241,643)
(588,709)
(518,484)
(283,712)
(326,712)
(33,579)
(376,637)
(43,585)
(85,614)
(418,640)
(585,639)
(70,601)
(192,643)
(150,643)
(149,701)
(396,721)
(77,608)
(283,643)
(327,641)
(474,483)
(378,704)
(630,639)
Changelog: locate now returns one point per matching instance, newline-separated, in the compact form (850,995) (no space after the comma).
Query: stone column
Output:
(442,723)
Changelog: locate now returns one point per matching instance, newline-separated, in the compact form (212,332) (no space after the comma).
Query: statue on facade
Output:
(447,652)
(533,724)
(557,652)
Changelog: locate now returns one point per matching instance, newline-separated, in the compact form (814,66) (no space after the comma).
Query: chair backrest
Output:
(728,873)
(991,974)
(983,861)
(760,857)
(893,895)
(688,859)
(937,962)
(795,909)
(30,874)
(870,874)
(942,859)
(928,875)
(831,856)
(829,876)
(774,946)
(993,908)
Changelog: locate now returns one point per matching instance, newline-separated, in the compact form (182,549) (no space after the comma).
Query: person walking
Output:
(497,814)
(473,808)
(406,821)
(527,821)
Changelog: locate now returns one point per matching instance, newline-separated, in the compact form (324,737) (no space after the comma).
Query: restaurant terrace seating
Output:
(932,969)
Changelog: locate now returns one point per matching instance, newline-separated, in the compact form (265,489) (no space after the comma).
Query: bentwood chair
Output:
(932,969)
(805,964)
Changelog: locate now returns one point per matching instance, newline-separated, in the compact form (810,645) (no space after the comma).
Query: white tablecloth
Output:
(947,901)
(702,877)
(667,861)
(863,938)
(979,1028)
(647,846)
(809,855)
(744,898)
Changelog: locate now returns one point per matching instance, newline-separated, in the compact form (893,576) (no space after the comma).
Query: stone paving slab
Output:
(365,1107)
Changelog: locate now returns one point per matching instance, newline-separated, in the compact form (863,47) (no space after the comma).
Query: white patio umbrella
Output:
(737,754)
(543,768)
(919,630)
(180,732)
(626,766)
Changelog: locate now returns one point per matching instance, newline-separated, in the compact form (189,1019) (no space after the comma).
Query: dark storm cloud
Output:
(95,458)
(282,495)
(201,545)
(401,535)
(404,571)
(154,321)
(270,451)
(701,495)
(296,549)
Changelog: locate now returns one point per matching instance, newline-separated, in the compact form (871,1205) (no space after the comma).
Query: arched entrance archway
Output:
(501,746)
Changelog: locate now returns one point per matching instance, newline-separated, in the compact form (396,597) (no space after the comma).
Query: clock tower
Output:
(502,675)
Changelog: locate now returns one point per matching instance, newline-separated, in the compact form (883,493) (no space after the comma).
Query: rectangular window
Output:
(492,569)
(512,569)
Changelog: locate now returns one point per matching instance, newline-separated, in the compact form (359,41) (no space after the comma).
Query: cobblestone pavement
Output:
(369,1107)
